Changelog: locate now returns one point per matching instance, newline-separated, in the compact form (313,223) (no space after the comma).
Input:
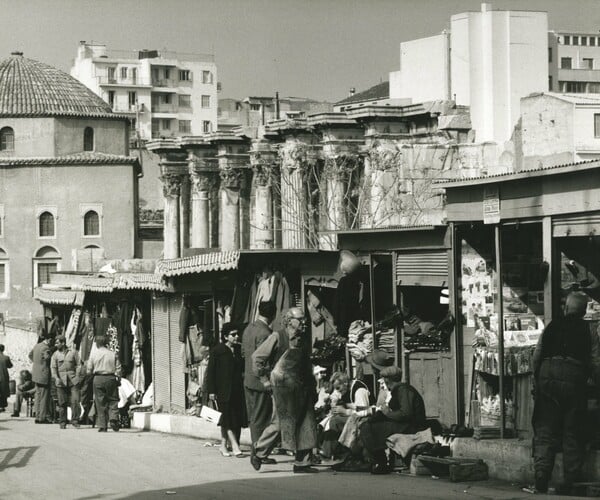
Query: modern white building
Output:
(167,94)
(488,61)
(574,62)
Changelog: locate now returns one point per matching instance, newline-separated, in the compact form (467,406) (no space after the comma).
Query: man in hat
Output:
(567,354)
(65,366)
(404,413)
(283,364)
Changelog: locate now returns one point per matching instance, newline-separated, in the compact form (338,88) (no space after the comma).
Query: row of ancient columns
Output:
(261,200)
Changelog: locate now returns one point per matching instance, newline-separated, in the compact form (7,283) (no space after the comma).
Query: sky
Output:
(302,48)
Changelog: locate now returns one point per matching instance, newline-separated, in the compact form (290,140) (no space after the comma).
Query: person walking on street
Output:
(40,374)
(225,388)
(105,367)
(258,400)
(566,355)
(65,366)
(5,364)
(283,363)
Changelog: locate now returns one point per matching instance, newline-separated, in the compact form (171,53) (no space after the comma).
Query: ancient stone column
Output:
(294,205)
(262,224)
(200,216)
(336,175)
(383,205)
(171,192)
(184,214)
(230,208)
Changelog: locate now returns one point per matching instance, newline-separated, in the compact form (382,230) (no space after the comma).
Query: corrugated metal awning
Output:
(424,268)
(61,297)
(215,261)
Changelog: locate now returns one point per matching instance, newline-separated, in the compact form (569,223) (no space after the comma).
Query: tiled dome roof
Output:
(32,88)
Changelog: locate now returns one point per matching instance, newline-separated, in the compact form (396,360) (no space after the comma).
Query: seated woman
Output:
(352,399)
(403,414)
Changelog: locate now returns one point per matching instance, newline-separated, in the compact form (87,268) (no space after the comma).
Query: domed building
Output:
(68,187)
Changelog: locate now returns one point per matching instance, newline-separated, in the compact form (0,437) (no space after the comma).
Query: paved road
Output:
(42,461)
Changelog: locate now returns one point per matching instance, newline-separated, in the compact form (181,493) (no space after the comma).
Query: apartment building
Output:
(574,62)
(166,94)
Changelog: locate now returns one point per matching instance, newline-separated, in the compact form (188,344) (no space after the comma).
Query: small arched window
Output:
(7,139)
(46,225)
(88,139)
(91,223)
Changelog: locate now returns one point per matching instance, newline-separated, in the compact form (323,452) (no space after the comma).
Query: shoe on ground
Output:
(268,461)
(379,469)
(114,425)
(102,429)
(63,426)
(256,462)
(14,415)
(352,465)
(298,469)
(541,484)
(76,425)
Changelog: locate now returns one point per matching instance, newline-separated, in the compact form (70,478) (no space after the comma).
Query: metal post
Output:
(498,242)
(372,300)
(456,304)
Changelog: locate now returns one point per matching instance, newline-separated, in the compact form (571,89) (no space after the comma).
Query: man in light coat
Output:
(40,374)
(65,366)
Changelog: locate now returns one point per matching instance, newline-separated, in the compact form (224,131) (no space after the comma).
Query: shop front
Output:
(521,243)
(211,289)
(406,279)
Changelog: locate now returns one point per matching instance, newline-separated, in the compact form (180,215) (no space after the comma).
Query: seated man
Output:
(25,388)
(353,400)
(404,413)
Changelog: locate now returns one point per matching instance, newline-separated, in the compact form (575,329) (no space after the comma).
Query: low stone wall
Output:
(18,344)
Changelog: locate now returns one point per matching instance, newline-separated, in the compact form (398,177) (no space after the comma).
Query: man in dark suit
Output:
(5,364)
(40,374)
(258,400)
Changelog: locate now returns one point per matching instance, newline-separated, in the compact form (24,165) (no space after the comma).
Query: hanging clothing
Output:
(86,336)
(71,331)
(347,302)
(122,321)
(101,326)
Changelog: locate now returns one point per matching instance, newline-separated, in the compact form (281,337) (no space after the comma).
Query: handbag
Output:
(211,415)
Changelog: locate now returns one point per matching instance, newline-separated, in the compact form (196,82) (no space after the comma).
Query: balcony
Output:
(165,83)
(119,108)
(124,82)
(157,134)
(579,75)
(164,108)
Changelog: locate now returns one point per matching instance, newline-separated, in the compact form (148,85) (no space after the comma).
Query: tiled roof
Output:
(215,261)
(59,296)
(31,88)
(121,281)
(75,159)
(379,91)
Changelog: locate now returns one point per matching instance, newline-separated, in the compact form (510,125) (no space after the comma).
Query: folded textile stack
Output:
(386,340)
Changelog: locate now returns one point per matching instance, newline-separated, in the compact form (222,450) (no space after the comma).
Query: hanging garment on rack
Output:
(239,302)
(137,374)
(123,325)
(280,295)
(113,339)
(86,336)
(101,326)
(71,331)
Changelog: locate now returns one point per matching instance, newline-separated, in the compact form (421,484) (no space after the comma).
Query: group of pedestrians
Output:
(58,369)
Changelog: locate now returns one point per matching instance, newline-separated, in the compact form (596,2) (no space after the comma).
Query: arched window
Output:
(88,139)
(91,223)
(46,261)
(7,139)
(4,274)
(46,225)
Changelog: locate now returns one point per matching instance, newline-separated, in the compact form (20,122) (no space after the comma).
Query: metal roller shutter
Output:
(160,352)
(579,225)
(177,377)
(423,268)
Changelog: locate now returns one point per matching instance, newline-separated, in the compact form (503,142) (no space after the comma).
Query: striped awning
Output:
(122,281)
(215,261)
(61,297)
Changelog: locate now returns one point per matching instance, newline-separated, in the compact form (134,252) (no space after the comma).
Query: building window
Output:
(584,40)
(166,98)
(567,40)
(46,225)
(207,77)
(549,54)
(206,127)
(597,125)
(44,270)
(254,107)
(587,63)
(185,126)
(7,139)
(124,73)
(45,262)
(593,88)
(166,124)
(185,75)
(573,87)
(206,101)
(167,73)
(550,83)
(111,98)
(132,99)
(134,75)
(91,223)
(566,62)
(593,41)
(111,74)
(185,101)
(4,276)
(575,40)
(88,139)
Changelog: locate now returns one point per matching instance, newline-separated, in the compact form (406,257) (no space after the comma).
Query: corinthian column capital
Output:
(171,185)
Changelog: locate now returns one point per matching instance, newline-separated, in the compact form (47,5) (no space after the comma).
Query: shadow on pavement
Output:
(16,457)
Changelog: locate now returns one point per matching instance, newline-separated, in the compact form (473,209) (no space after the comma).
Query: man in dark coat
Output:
(567,354)
(404,413)
(5,364)
(258,400)
(40,374)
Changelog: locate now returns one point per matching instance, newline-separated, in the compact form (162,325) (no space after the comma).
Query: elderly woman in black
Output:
(226,388)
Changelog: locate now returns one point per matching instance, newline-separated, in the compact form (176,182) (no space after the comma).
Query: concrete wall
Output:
(424,70)
(546,131)
(583,127)
(110,136)
(66,190)
(33,136)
